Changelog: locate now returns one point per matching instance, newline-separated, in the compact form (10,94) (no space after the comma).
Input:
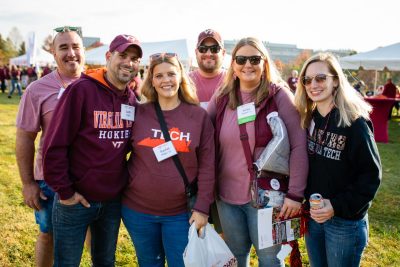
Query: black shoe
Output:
(9,96)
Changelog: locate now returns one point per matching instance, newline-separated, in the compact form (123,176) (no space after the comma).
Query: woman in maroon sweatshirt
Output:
(154,204)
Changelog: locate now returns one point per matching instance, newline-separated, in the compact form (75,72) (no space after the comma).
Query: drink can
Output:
(316,201)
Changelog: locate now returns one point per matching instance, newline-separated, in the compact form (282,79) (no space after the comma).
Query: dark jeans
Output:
(15,84)
(337,242)
(3,86)
(70,224)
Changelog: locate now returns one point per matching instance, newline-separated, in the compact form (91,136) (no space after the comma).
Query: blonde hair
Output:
(270,75)
(187,90)
(346,99)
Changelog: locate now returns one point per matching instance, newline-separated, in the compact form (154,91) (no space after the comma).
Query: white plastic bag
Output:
(209,250)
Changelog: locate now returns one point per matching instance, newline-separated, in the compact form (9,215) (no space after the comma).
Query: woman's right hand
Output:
(323,214)
(199,218)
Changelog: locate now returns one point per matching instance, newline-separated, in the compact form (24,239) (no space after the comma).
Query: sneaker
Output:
(9,96)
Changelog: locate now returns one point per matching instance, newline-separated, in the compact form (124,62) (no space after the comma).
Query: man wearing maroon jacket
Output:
(85,156)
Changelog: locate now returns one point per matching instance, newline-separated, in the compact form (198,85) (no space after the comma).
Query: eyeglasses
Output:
(78,30)
(213,48)
(319,78)
(162,56)
(254,60)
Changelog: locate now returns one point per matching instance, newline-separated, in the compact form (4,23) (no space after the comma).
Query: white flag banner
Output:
(31,48)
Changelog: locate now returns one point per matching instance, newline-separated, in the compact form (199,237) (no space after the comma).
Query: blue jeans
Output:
(70,224)
(43,216)
(157,237)
(15,83)
(239,224)
(337,242)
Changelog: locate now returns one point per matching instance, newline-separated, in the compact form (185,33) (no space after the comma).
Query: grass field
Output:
(18,230)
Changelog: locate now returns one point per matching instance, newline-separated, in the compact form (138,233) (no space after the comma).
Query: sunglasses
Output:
(162,56)
(254,60)
(213,48)
(78,30)
(319,78)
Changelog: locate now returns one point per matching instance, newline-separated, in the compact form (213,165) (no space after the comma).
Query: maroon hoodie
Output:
(87,141)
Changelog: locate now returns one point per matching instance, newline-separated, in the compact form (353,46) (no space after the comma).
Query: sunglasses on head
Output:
(162,56)
(213,48)
(78,30)
(319,78)
(254,60)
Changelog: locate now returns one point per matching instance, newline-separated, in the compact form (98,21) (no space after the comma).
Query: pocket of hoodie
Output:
(101,184)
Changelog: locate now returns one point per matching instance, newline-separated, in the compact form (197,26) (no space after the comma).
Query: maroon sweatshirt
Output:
(157,188)
(87,141)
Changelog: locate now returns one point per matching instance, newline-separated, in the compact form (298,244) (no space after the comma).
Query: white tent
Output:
(182,47)
(377,59)
(41,58)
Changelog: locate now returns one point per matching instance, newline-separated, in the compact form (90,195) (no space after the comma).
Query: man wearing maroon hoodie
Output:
(85,156)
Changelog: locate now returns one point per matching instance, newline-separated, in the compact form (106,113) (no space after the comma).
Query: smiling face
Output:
(210,62)
(68,53)
(248,74)
(122,67)
(321,92)
(166,81)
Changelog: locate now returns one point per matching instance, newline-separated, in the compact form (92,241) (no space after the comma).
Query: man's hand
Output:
(290,208)
(31,193)
(324,214)
(75,199)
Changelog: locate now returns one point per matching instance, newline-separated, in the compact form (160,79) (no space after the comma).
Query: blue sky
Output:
(361,25)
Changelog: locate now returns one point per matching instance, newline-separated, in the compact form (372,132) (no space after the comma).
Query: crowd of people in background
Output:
(14,77)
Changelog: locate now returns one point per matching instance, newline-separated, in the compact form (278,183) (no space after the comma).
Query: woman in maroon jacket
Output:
(253,89)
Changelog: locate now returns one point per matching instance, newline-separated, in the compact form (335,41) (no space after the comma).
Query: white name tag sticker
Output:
(246,113)
(127,112)
(60,92)
(164,151)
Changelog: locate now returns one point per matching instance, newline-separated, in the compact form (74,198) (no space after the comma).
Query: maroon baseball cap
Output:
(209,33)
(123,41)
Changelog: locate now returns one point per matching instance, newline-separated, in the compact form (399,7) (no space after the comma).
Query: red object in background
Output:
(380,115)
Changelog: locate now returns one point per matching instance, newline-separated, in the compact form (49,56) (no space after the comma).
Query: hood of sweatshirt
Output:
(99,76)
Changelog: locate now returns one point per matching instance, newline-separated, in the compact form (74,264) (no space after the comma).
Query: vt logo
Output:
(117,144)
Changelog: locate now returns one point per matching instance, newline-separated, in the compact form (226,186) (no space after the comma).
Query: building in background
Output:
(89,41)
(286,53)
